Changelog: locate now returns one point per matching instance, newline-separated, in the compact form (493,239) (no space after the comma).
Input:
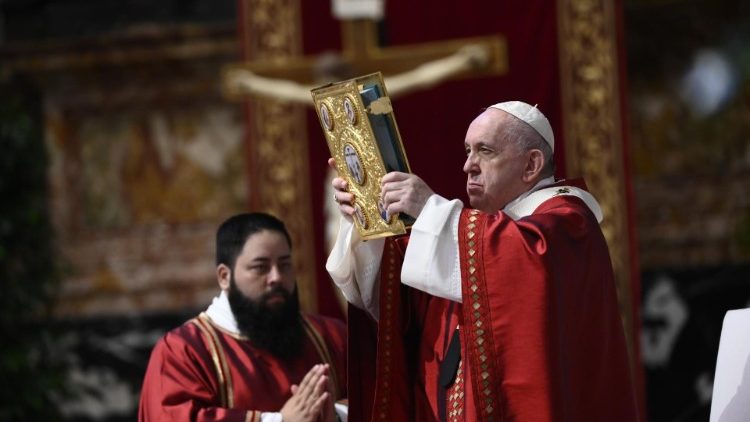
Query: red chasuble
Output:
(199,372)
(541,336)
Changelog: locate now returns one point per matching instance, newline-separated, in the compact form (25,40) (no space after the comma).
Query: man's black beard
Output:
(277,329)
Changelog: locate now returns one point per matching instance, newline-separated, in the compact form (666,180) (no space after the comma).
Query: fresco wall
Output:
(145,160)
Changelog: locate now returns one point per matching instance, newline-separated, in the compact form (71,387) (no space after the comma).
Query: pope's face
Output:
(494,165)
(265,265)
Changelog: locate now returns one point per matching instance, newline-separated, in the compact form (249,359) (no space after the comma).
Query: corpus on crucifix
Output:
(406,68)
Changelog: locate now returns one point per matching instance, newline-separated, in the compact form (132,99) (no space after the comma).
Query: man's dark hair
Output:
(233,233)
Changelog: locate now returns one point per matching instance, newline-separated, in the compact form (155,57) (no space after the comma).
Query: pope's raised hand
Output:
(341,195)
(404,192)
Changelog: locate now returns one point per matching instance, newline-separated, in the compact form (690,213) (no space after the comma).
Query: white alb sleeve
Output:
(431,263)
(342,410)
(353,265)
(271,417)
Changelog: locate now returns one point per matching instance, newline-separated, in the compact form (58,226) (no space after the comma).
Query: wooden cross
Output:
(278,157)
(363,54)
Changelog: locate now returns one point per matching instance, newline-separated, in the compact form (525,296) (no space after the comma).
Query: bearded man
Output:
(251,356)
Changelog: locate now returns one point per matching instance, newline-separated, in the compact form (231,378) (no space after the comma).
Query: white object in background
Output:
(731,396)
(358,9)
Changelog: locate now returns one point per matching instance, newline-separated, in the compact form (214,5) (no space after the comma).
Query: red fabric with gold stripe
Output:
(542,336)
(410,341)
(182,382)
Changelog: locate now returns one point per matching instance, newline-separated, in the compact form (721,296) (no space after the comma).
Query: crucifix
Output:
(278,156)
(363,54)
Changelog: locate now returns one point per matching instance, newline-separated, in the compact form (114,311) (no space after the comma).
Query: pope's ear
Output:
(223,275)
(534,166)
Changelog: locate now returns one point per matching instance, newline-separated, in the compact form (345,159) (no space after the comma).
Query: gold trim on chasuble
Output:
(226,389)
(253,416)
(455,409)
(589,80)
(324,353)
(278,168)
(476,316)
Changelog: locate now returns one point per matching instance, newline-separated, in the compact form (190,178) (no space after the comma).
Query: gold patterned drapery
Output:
(594,139)
(277,149)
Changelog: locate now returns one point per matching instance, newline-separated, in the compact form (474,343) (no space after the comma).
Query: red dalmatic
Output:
(199,372)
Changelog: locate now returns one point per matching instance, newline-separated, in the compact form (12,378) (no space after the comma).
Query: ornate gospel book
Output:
(362,135)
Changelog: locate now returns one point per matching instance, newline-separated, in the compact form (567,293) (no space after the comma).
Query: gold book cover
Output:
(358,122)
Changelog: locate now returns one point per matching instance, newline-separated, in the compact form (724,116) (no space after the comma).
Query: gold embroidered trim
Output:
(216,327)
(456,396)
(219,356)
(325,355)
(216,359)
(253,416)
(384,346)
(476,312)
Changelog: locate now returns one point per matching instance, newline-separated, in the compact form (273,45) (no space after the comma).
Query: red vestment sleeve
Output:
(180,382)
(393,363)
(541,336)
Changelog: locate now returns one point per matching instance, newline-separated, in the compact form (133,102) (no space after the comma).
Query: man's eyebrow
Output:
(478,144)
(267,259)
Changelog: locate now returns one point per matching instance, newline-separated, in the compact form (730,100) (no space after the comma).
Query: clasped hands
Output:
(312,400)
(399,192)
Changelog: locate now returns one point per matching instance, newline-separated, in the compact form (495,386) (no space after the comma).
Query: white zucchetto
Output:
(532,116)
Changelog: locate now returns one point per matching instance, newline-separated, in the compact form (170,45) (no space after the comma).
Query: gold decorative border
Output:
(278,145)
(477,319)
(390,285)
(456,396)
(592,128)
(220,362)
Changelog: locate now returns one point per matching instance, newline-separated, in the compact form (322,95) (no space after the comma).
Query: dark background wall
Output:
(689,77)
